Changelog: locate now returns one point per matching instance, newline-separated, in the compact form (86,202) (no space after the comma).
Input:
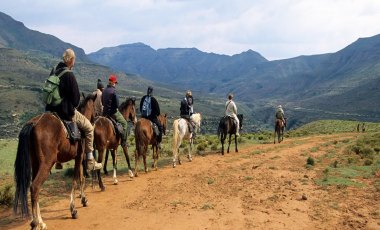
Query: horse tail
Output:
(23,169)
(220,128)
(175,135)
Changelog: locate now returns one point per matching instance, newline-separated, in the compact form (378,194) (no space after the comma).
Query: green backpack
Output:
(50,90)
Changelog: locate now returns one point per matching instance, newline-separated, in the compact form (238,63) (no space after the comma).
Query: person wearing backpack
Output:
(150,109)
(110,101)
(186,110)
(70,98)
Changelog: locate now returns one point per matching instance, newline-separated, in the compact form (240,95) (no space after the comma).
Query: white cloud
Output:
(275,28)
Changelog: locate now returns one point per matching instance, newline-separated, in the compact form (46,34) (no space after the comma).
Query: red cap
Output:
(113,78)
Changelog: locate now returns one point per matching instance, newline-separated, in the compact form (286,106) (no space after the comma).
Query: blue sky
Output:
(277,29)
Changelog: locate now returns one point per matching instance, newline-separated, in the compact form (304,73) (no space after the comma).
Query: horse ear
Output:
(83,95)
(94,97)
(165,115)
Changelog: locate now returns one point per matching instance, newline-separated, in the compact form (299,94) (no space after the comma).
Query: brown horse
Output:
(106,138)
(42,142)
(279,128)
(227,126)
(144,136)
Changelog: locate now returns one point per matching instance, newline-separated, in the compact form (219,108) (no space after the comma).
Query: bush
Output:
(310,161)
(6,195)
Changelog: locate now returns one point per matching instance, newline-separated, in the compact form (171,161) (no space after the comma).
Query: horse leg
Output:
(137,160)
(222,139)
(125,151)
(236,147)
(79,176)
(114,164)
(144,160)
(190,150)
(39,179)
(105,163)
(155,157)
(229,143)
(100,159)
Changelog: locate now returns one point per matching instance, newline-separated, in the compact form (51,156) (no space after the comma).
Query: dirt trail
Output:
(261,187)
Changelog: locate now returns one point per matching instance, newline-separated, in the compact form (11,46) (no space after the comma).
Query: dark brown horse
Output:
(42,142)
(228,126)
(144,136)
(106,138)
(279,128)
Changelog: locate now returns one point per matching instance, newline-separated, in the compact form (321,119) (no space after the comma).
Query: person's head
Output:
(279,106)
(112,80)
(189,94)
(100,85)
(230,96)
(69,58)
(149,91)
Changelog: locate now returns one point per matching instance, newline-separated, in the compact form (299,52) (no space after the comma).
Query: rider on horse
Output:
(231,111)
(98,101)
(150,109)
(110,102)
(280,114)
(187,110)
(66,110)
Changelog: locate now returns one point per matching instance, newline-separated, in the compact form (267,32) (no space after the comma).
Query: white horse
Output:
(181,131)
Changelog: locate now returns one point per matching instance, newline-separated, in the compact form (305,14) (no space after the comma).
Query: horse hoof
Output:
(174,165)
(74,214)
(84,201)
(130,173)
(115,182)
(103,188)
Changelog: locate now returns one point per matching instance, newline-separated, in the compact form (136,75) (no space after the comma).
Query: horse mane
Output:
(126,103)
(84,101)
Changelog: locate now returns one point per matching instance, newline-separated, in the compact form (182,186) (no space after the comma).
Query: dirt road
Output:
(261,187)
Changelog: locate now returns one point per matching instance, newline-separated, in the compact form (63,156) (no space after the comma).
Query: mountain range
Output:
(341,85)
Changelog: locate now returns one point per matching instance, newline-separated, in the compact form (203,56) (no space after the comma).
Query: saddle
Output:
(232,119)
(71,129)
(118,127)
(156,131)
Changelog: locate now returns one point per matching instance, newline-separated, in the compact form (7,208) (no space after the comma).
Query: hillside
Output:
(341,85)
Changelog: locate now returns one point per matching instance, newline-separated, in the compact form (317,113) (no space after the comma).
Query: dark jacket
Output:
(69,92)
(154,106)
(186,104)
(110,101)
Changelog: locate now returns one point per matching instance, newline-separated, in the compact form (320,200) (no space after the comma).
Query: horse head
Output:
(128,109)
(196,118)
(240,117)
(164,121)
(87,107)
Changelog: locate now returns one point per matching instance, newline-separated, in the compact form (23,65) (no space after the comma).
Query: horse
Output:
(227,126)
(144,136)
(279,128)
(36,155)
(181,131)
(106,138)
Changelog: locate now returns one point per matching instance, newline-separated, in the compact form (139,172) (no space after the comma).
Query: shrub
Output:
(6,195)
(310,161)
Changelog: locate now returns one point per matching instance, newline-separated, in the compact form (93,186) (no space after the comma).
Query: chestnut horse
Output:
(106,138)
(43,141)
(144,136)
(279,128)
(228,126)
(181,131)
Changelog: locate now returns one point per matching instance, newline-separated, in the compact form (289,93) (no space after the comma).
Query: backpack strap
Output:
(65,70)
